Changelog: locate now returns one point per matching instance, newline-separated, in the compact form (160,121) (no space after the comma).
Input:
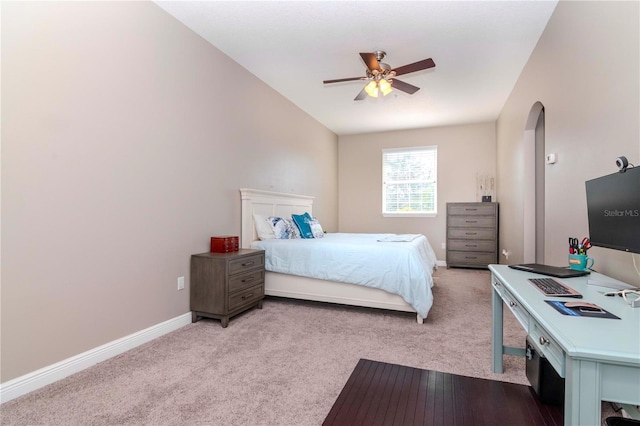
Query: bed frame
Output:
(292,286)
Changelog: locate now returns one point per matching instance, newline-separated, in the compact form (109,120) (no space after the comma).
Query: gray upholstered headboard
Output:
(268,203)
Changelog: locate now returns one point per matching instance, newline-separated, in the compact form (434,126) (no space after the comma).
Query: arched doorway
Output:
(533,191)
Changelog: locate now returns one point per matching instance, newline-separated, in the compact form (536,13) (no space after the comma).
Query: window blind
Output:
(409,183)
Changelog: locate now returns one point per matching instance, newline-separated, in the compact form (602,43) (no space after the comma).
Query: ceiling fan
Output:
(381,78)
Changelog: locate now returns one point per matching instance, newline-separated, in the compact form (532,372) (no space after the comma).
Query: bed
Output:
(265,203)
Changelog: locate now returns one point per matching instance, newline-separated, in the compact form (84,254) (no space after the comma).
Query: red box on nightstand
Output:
(225,244)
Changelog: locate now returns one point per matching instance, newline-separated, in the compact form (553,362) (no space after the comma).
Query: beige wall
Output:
(463,153)
(584,71)
(125,139)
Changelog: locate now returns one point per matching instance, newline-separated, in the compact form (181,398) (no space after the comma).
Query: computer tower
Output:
(545,381)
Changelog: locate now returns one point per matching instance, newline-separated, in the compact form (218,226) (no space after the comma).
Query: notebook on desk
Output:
(553,271)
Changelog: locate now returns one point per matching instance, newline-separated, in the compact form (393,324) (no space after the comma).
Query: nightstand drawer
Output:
(472,222)
(472,245)
(240,282)
(246,263)
(472,234)
(472,210)
(246,297)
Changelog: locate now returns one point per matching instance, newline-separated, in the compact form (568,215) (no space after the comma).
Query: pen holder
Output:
(580,262)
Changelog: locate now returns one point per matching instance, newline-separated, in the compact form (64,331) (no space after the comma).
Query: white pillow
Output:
(284,228)
(263,227)
(316,228)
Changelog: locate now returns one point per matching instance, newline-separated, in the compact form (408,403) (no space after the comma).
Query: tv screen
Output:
(613,207)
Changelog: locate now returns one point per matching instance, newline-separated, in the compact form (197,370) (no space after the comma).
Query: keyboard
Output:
(554,288)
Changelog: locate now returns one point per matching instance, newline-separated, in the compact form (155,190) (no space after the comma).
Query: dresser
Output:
(472,234)
(226,284)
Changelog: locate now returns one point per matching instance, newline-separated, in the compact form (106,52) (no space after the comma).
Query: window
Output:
(409,185)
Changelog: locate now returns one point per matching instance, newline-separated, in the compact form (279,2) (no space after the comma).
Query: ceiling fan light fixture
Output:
(381,77)
(372,89)
(385,87)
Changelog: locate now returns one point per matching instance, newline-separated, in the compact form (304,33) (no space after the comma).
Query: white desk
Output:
(599,358)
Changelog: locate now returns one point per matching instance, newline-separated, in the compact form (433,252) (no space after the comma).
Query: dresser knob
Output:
(543,340)
(512,304)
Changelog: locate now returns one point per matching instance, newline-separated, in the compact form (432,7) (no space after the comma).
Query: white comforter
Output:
(399,267)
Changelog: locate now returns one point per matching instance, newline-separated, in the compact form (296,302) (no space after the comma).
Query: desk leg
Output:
(582,397)
(496,331)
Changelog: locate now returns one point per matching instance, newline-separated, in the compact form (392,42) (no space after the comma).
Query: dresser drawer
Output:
(472,222)
(470,258)
(246,263)
(472,245)
(242,281)
(472,210)
(471,234)
(246,297)
(548,347)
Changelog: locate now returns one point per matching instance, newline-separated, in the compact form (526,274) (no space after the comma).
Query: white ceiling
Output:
(479,48)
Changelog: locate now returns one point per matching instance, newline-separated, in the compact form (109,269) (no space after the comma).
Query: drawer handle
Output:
(513,304)
(471,233)
(471,210)
(246,280)
(471,257)
(543,340)
(471,245)
(247,296)
(249,263)
(471,221)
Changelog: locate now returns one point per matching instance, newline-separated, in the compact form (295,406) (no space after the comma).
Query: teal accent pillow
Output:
(303,220)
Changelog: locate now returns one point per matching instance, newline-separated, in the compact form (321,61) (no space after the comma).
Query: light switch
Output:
(551,158)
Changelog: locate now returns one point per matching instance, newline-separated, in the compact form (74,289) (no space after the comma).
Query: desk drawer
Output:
(518,311)
(548,347)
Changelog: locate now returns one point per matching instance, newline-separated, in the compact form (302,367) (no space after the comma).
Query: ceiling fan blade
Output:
(338,80)
(405,87)
(416,66)
(371,61)
(361,95)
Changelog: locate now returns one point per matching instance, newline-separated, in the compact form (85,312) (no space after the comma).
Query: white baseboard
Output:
(44,376)
(441,262)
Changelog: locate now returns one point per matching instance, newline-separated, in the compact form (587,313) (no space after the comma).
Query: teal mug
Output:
(580,262)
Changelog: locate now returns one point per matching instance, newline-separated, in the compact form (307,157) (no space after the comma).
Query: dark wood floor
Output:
(378,393)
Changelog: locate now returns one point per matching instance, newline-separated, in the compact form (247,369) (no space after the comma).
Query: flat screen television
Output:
(613,208)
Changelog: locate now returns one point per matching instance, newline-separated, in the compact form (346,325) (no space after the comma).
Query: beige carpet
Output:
(282,365)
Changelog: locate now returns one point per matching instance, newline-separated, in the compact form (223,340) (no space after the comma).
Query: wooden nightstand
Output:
(226,284)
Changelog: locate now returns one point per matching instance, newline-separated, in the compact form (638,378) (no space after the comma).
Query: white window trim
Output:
(408,214)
